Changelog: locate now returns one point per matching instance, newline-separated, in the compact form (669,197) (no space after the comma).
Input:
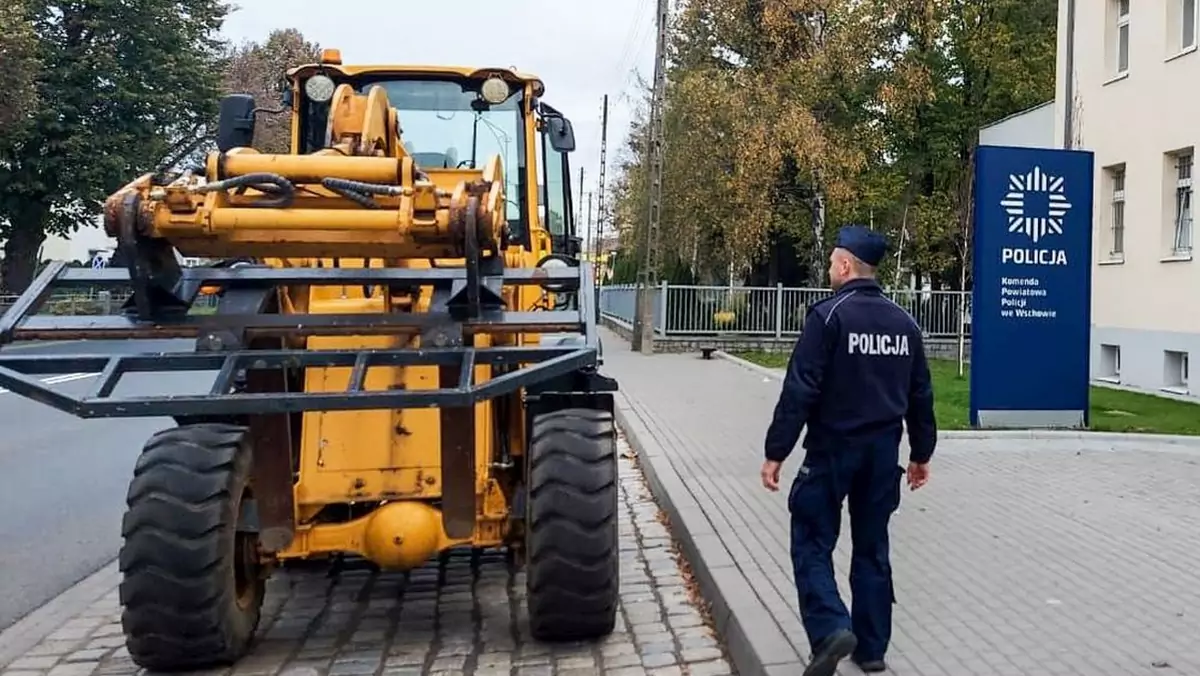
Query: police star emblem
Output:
(1036,204)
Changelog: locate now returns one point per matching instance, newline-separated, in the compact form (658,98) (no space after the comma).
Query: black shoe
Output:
(829,652)
(871,666)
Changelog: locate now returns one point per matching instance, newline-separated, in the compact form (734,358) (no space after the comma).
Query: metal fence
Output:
(89,302)
(770,311)
(678,310)
(73,302)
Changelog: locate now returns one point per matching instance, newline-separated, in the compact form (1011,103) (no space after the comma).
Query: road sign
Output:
(1031,320)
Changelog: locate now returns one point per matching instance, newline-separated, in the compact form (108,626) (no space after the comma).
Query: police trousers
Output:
(867,475)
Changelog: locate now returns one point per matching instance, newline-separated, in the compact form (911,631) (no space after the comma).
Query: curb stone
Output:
(23,635)
(774,374)
(756,644)
(1189,442)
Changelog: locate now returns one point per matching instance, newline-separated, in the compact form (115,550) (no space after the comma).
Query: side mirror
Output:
(562,136)
(236,126)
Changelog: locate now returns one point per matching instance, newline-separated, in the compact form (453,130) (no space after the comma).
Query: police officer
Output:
(856,376)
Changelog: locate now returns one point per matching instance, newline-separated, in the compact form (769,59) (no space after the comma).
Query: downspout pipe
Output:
(1069,86)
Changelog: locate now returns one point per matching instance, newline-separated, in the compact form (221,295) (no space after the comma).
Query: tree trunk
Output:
(957,273)
(817,270)
(21,249)
(776,244)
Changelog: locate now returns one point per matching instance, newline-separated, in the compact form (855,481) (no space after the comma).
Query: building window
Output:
(1122,36)
(1181,27)
(1110,363)
(1181,244)
(1175,371)
(1117,213)
(1187,24)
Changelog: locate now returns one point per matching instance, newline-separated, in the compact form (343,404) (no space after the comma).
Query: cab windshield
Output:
(444,125)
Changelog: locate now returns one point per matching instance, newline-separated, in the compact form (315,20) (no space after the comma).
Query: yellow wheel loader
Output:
(403,355)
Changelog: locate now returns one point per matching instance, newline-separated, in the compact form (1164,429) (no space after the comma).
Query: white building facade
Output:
(79,245)
(1136,105)
(1032,128)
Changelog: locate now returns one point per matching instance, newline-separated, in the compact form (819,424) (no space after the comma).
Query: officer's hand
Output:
(918,474)
(770,475)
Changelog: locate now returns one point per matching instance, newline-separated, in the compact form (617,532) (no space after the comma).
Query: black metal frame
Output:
(466,302)
(16,375)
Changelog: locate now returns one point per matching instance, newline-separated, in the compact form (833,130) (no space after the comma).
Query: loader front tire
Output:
(192,592)
(573,570)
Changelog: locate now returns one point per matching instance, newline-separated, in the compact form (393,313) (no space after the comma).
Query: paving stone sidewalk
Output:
(1022,556)
(461,615)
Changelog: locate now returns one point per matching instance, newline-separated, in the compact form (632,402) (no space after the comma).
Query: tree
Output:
(18,53)
(954,66)
(764,125)
(786,119)
(259,70)
(122,88)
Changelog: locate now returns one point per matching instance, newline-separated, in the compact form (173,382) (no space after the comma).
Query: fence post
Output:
(662,305)
(778,310)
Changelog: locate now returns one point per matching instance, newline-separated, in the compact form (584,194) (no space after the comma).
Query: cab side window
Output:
(552,194)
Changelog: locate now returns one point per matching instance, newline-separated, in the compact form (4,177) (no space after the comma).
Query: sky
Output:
(582,50)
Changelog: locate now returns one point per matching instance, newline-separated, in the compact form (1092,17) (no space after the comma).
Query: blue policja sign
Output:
(1031,314)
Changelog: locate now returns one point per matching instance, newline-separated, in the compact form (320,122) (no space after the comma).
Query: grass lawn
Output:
(1112,410)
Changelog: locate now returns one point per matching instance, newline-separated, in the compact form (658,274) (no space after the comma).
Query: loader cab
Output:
(452,120)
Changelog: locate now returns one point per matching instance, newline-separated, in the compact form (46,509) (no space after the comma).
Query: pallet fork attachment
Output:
(466,304)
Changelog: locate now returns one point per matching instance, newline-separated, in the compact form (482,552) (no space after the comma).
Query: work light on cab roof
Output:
(319,88)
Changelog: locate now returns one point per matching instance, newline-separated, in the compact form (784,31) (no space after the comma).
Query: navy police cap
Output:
(869,246)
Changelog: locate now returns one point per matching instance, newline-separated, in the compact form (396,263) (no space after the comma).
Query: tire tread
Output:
(179,604)
(573,574)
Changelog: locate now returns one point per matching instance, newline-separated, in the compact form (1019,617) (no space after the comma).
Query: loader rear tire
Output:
(572,545)
(192,592)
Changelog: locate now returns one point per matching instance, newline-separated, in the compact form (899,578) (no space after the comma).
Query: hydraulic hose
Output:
(351,190)
(282,192)
(361,187)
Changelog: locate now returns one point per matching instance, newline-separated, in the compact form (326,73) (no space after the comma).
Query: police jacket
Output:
(858,371)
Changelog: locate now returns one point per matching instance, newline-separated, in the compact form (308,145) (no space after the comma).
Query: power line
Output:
(632,46)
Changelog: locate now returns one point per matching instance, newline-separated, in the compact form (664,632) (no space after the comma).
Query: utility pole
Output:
(643,322)
(579,211)
(600,214)
(589,219)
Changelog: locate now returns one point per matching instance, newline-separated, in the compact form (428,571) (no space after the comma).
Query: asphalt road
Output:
(63,479)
